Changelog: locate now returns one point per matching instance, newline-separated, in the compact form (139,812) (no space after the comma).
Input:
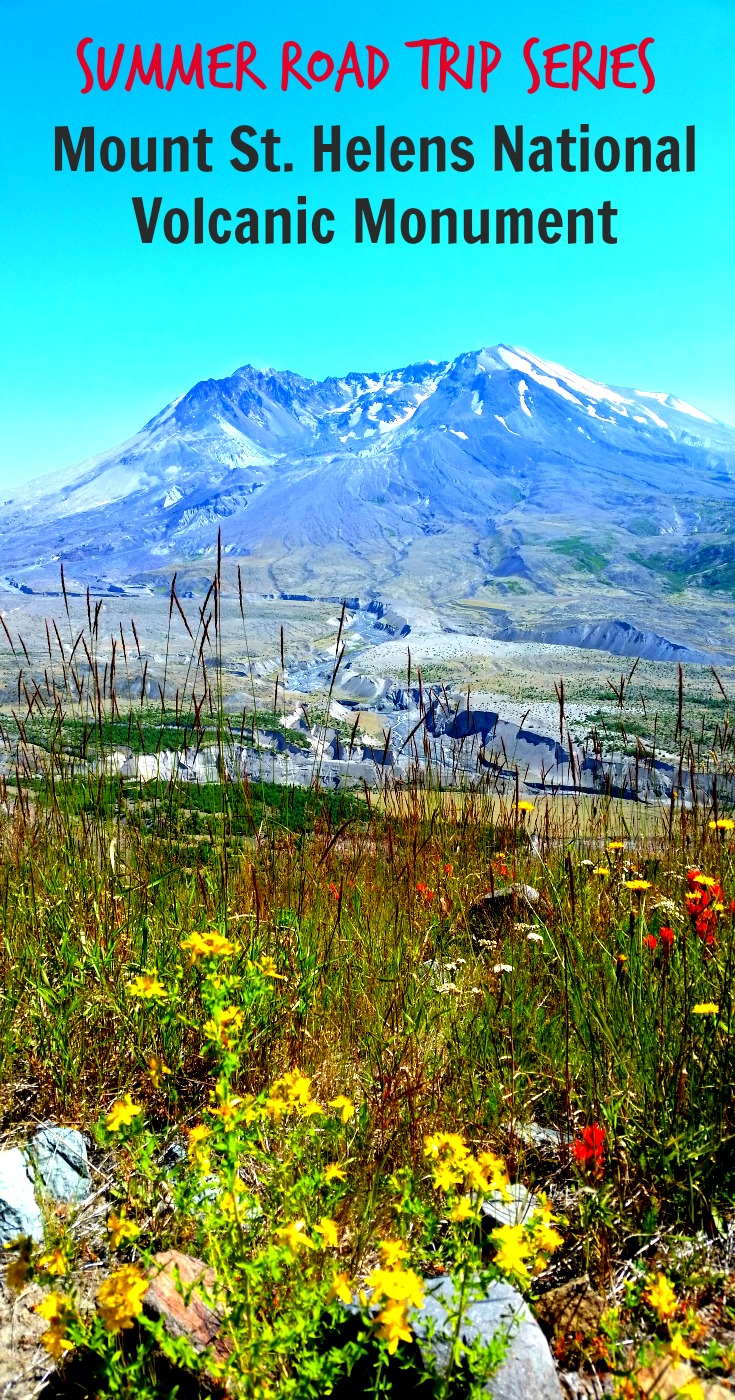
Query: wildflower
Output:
(589,1149)
(705,925)
(691,1391)
(722,824)
(680,1349)
(19,1268)
(449,1145)
(267,967)
(616,845)
(334,891)
(340,1288)
(705,1008)
(122,1114)
(705,881)
(448,869)
(392,1252)
(54,1262)
(393,1326)
(424,891)
(600,870)
(661,1297)
(524,806)
(207,945)
(397,1285)
(650,941)
(463,1210)
(293,1238)
(147,988)
(667,939)
(345,1106)
(120,1297)
(225,1026)
(494,1173)
(58,1312)
(637,884)
(157,1070)
(197,1152)
(121,1229)
(503,967)
(329,1233)
(512,1251)
(534,938)
(334,1173)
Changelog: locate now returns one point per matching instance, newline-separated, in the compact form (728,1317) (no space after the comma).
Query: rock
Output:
(528,1371)
(19,1212)
(59,1156)
(489,911)
(663,1380)
(503,1211)
(355,689)
(574,1307)
(543,1139)
(194,1319)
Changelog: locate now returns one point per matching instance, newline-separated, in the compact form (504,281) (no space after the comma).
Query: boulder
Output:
(490,910)
(572,1308)
(19,1212)
(528,1371)
(509,1207)
(173,1298)
(59,1157)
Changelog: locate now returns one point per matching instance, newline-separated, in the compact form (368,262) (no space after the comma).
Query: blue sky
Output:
(99,332)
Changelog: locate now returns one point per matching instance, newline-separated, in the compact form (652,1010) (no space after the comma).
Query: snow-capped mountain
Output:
(494,470)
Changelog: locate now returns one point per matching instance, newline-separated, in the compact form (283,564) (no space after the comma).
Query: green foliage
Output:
(582,555)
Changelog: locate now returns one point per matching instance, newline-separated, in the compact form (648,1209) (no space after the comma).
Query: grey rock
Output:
(545,1139)
(511,1207)
(528,1371)
(19,1212)
(491,909)
(59,1156)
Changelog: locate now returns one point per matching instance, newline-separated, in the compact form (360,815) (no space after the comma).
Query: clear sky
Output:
(99,332)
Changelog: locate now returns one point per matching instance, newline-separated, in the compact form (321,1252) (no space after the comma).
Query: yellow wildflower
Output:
(157,1070)
(446,1145)
(334,1172)
(340,1288)
(197,1151)
(616,845)
(122,1114)
(120,1229)
(722,824)
(691,1391)
(446,1175)
(637,884)
(512,1251)
(600,870)
(329,1233)
(392,1252)
(464,1210)
(120,1297)
(345,1105)
(147,987)
(207,945)
(706,881)
(393,1326)
(661,1297)
(705,1008)
(524,806)
(397,1285)
(54,1262)
(58,1312)
(679,1348)
(267,967)
(293,1237)
(225,1025)
(19,1268)
(494,1171)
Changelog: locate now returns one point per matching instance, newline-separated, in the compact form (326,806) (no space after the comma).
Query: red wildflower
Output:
(424,891)
(650,941)
(448,869)
(334,891)
(705,924)
(667,939)
(589,1149)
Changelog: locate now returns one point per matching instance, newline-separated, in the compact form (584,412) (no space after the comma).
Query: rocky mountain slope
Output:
(496,477)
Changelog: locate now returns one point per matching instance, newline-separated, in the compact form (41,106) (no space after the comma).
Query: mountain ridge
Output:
(497,474)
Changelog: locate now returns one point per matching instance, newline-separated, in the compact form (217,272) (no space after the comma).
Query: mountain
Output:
(496,477)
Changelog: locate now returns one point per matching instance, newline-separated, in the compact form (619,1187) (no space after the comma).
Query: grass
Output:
(568,1012)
